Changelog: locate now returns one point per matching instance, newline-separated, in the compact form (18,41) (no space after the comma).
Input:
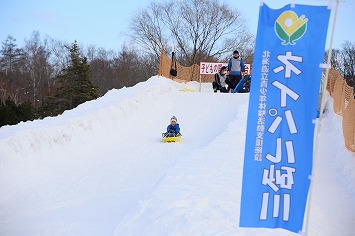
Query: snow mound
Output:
(101,168)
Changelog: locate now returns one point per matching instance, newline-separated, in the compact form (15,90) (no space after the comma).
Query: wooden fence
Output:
(344,105)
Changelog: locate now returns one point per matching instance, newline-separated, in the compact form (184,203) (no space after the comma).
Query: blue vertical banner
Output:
(283,102)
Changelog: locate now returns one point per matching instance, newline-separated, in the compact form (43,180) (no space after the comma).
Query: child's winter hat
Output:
(223,68)
(173,119)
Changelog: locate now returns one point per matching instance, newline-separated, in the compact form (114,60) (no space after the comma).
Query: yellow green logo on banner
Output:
(289,27)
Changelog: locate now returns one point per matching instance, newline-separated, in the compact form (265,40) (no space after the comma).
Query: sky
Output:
(104,23)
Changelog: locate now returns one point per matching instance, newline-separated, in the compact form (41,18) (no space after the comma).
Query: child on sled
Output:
(173,130)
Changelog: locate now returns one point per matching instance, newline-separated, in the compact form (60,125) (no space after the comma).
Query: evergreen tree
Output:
(75,86)
(8,112)
(11,114)
(26,111)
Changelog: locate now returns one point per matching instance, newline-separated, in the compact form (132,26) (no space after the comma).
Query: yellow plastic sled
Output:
(171,139)
(187,90)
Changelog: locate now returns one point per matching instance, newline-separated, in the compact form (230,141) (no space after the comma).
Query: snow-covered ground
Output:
(101,169)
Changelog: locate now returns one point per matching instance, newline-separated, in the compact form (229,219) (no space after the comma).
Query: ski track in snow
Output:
(101,169)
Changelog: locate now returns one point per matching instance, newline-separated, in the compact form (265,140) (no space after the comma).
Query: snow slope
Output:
(101,169)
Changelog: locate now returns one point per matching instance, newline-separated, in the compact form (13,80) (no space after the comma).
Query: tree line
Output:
(26,73)
(46,76)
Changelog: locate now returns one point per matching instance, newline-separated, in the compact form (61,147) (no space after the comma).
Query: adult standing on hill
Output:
(235,68)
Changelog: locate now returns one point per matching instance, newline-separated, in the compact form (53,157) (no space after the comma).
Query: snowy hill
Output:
(101,169)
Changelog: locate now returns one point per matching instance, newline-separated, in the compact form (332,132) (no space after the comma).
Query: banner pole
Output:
(325,82)
(199,89)
(317,130)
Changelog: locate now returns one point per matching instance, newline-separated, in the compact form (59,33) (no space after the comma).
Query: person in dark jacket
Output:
(219,82)
(235,68)
(173,130)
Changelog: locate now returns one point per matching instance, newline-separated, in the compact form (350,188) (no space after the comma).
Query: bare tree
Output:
(11,54)
(3,92)
(335,60)
(196,30)
(148,29)
(59,54)
(101,68)
(38,68)
(91,52)
(348,56)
